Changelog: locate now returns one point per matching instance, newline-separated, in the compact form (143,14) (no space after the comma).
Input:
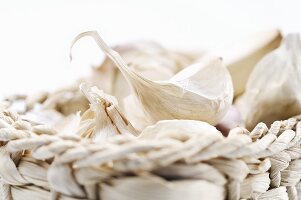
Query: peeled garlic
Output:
(202,91)
(273,89)
(240,59)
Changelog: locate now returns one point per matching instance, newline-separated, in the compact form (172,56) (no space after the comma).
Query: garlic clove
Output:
(147,59)
(179,129)
(273,89)
(230,121)
(202,91)
(134,112)
(242,57)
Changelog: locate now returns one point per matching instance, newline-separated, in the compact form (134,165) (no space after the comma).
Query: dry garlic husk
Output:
(58,108)
(202,91)
(147,59)
(241,58)
(103,119)
(273,89)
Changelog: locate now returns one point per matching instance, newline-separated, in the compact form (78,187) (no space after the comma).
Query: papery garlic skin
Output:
(135,113)
(147,59)
(273,89)
(59,107)
(102,120)
(202,91)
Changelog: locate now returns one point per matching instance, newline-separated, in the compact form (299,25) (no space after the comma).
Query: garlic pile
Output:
(202,91)
(273,89)
(151,83)
(173,150)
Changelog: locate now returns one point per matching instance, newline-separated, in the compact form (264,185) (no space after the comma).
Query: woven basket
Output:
(38,163)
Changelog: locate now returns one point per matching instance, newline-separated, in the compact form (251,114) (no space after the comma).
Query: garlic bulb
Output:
(202,91)
(242,57)
(273,89)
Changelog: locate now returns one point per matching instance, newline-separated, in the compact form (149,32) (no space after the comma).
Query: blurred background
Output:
(35,35)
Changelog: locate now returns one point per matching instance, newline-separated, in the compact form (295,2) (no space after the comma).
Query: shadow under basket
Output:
(38,164)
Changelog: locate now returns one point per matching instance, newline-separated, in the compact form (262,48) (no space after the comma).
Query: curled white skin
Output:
(202,91)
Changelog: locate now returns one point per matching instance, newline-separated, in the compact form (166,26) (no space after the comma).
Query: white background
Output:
(35,35)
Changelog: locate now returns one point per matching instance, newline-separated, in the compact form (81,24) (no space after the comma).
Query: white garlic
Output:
(134,113)
(273,89)
(202,91)
(147,59)
(179,129)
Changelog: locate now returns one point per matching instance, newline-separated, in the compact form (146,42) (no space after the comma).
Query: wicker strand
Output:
(261,164)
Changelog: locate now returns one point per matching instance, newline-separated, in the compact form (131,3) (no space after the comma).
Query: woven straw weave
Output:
(38,163)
